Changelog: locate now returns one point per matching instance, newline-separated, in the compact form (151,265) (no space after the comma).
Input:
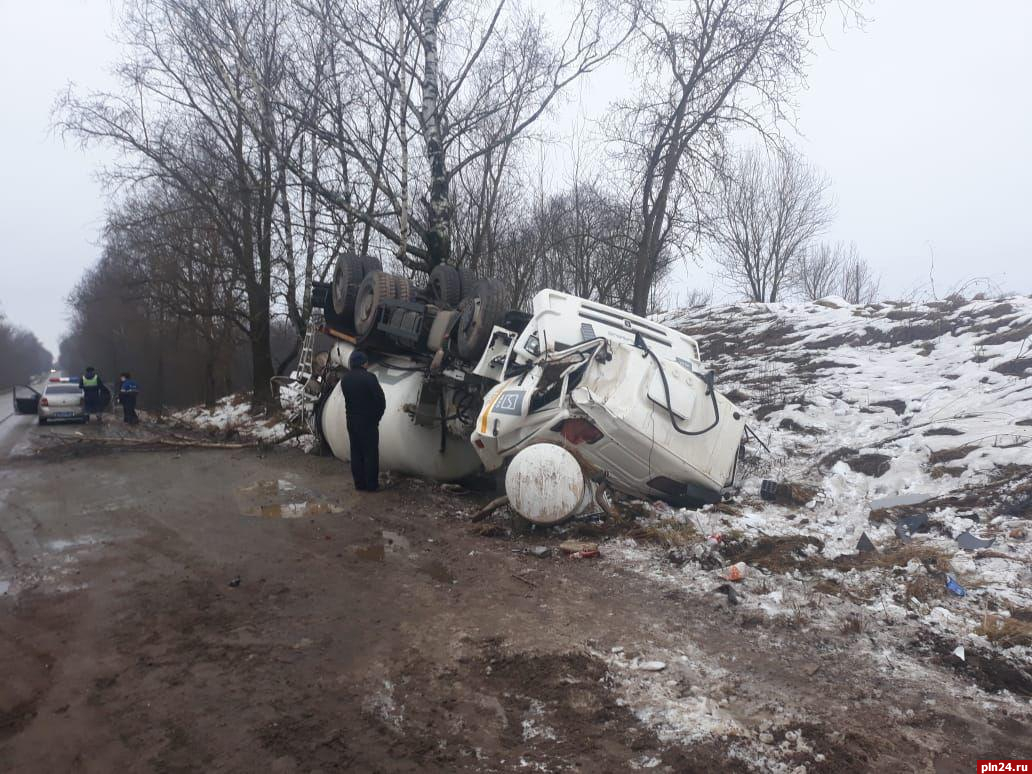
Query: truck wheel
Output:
(375,288)
(467,282)
(403,290)
(480,313)
(446,285)
(351,270)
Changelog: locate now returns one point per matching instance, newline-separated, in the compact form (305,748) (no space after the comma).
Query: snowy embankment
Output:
(908,423)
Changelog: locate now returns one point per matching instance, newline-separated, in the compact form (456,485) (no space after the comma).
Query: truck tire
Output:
(351,270)
(467,282)
(446,285)
(481,311)
(403,290)
(375,288)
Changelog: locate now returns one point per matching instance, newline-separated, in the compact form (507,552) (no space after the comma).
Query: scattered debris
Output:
(969,542)
(953,587)
(787,493)
(728,590)
(959,652)
(541,552)
(590,554)
(908,526)
(578,547)
(235,582)
(864,545)
(736,572)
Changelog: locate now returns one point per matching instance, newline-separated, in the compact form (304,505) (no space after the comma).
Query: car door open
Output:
(26,400)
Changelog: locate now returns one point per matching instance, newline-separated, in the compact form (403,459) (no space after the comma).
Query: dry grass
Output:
(671,534)
(854,624)
(1006,632)
(932,558)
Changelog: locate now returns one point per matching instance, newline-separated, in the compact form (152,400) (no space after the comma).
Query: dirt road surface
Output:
(236,612)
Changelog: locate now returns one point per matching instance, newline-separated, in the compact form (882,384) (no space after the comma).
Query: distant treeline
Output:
(21,354)
(179,360)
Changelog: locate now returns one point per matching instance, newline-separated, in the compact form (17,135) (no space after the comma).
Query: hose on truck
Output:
(711,391)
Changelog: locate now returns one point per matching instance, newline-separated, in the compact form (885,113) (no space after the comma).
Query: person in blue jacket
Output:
(127,392)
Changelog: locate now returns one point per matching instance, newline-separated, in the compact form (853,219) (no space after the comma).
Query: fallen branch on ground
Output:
(181,442)
(491,507)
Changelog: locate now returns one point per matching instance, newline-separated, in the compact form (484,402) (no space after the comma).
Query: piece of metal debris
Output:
(969,542)
(959,653)
(541,552)
(894,501)
(908,526)
(235,582)
(864,545)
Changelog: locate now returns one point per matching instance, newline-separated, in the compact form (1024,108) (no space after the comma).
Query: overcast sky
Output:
(923,121)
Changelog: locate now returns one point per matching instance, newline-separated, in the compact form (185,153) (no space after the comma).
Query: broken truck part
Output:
(577,399)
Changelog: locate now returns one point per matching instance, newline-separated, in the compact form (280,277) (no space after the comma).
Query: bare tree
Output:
(859,284)
(819,270)
(768,212)
(197,111)
(467,82)
(706,67)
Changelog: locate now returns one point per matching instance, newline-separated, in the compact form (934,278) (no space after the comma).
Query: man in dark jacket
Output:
(127,392)
(93,392)
(365,403)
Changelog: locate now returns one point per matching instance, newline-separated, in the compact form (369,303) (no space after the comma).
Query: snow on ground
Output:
(232,416)
(876,413)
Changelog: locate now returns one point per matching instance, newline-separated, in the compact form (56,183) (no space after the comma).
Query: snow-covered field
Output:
(877,413)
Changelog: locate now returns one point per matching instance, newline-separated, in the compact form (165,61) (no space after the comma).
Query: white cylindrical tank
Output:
(545,484)
(405,447)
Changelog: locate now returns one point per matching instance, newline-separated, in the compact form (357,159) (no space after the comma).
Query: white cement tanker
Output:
(411,440)
(584,400)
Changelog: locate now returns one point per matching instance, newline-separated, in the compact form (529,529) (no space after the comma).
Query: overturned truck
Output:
(578,401)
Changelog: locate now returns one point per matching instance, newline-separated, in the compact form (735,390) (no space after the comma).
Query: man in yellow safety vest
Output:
(93,391)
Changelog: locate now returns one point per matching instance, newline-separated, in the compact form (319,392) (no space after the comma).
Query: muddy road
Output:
(229,611)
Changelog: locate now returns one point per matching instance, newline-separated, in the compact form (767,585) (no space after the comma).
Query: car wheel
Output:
(375,288)
(480,313)
(42,420)
(446,285)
